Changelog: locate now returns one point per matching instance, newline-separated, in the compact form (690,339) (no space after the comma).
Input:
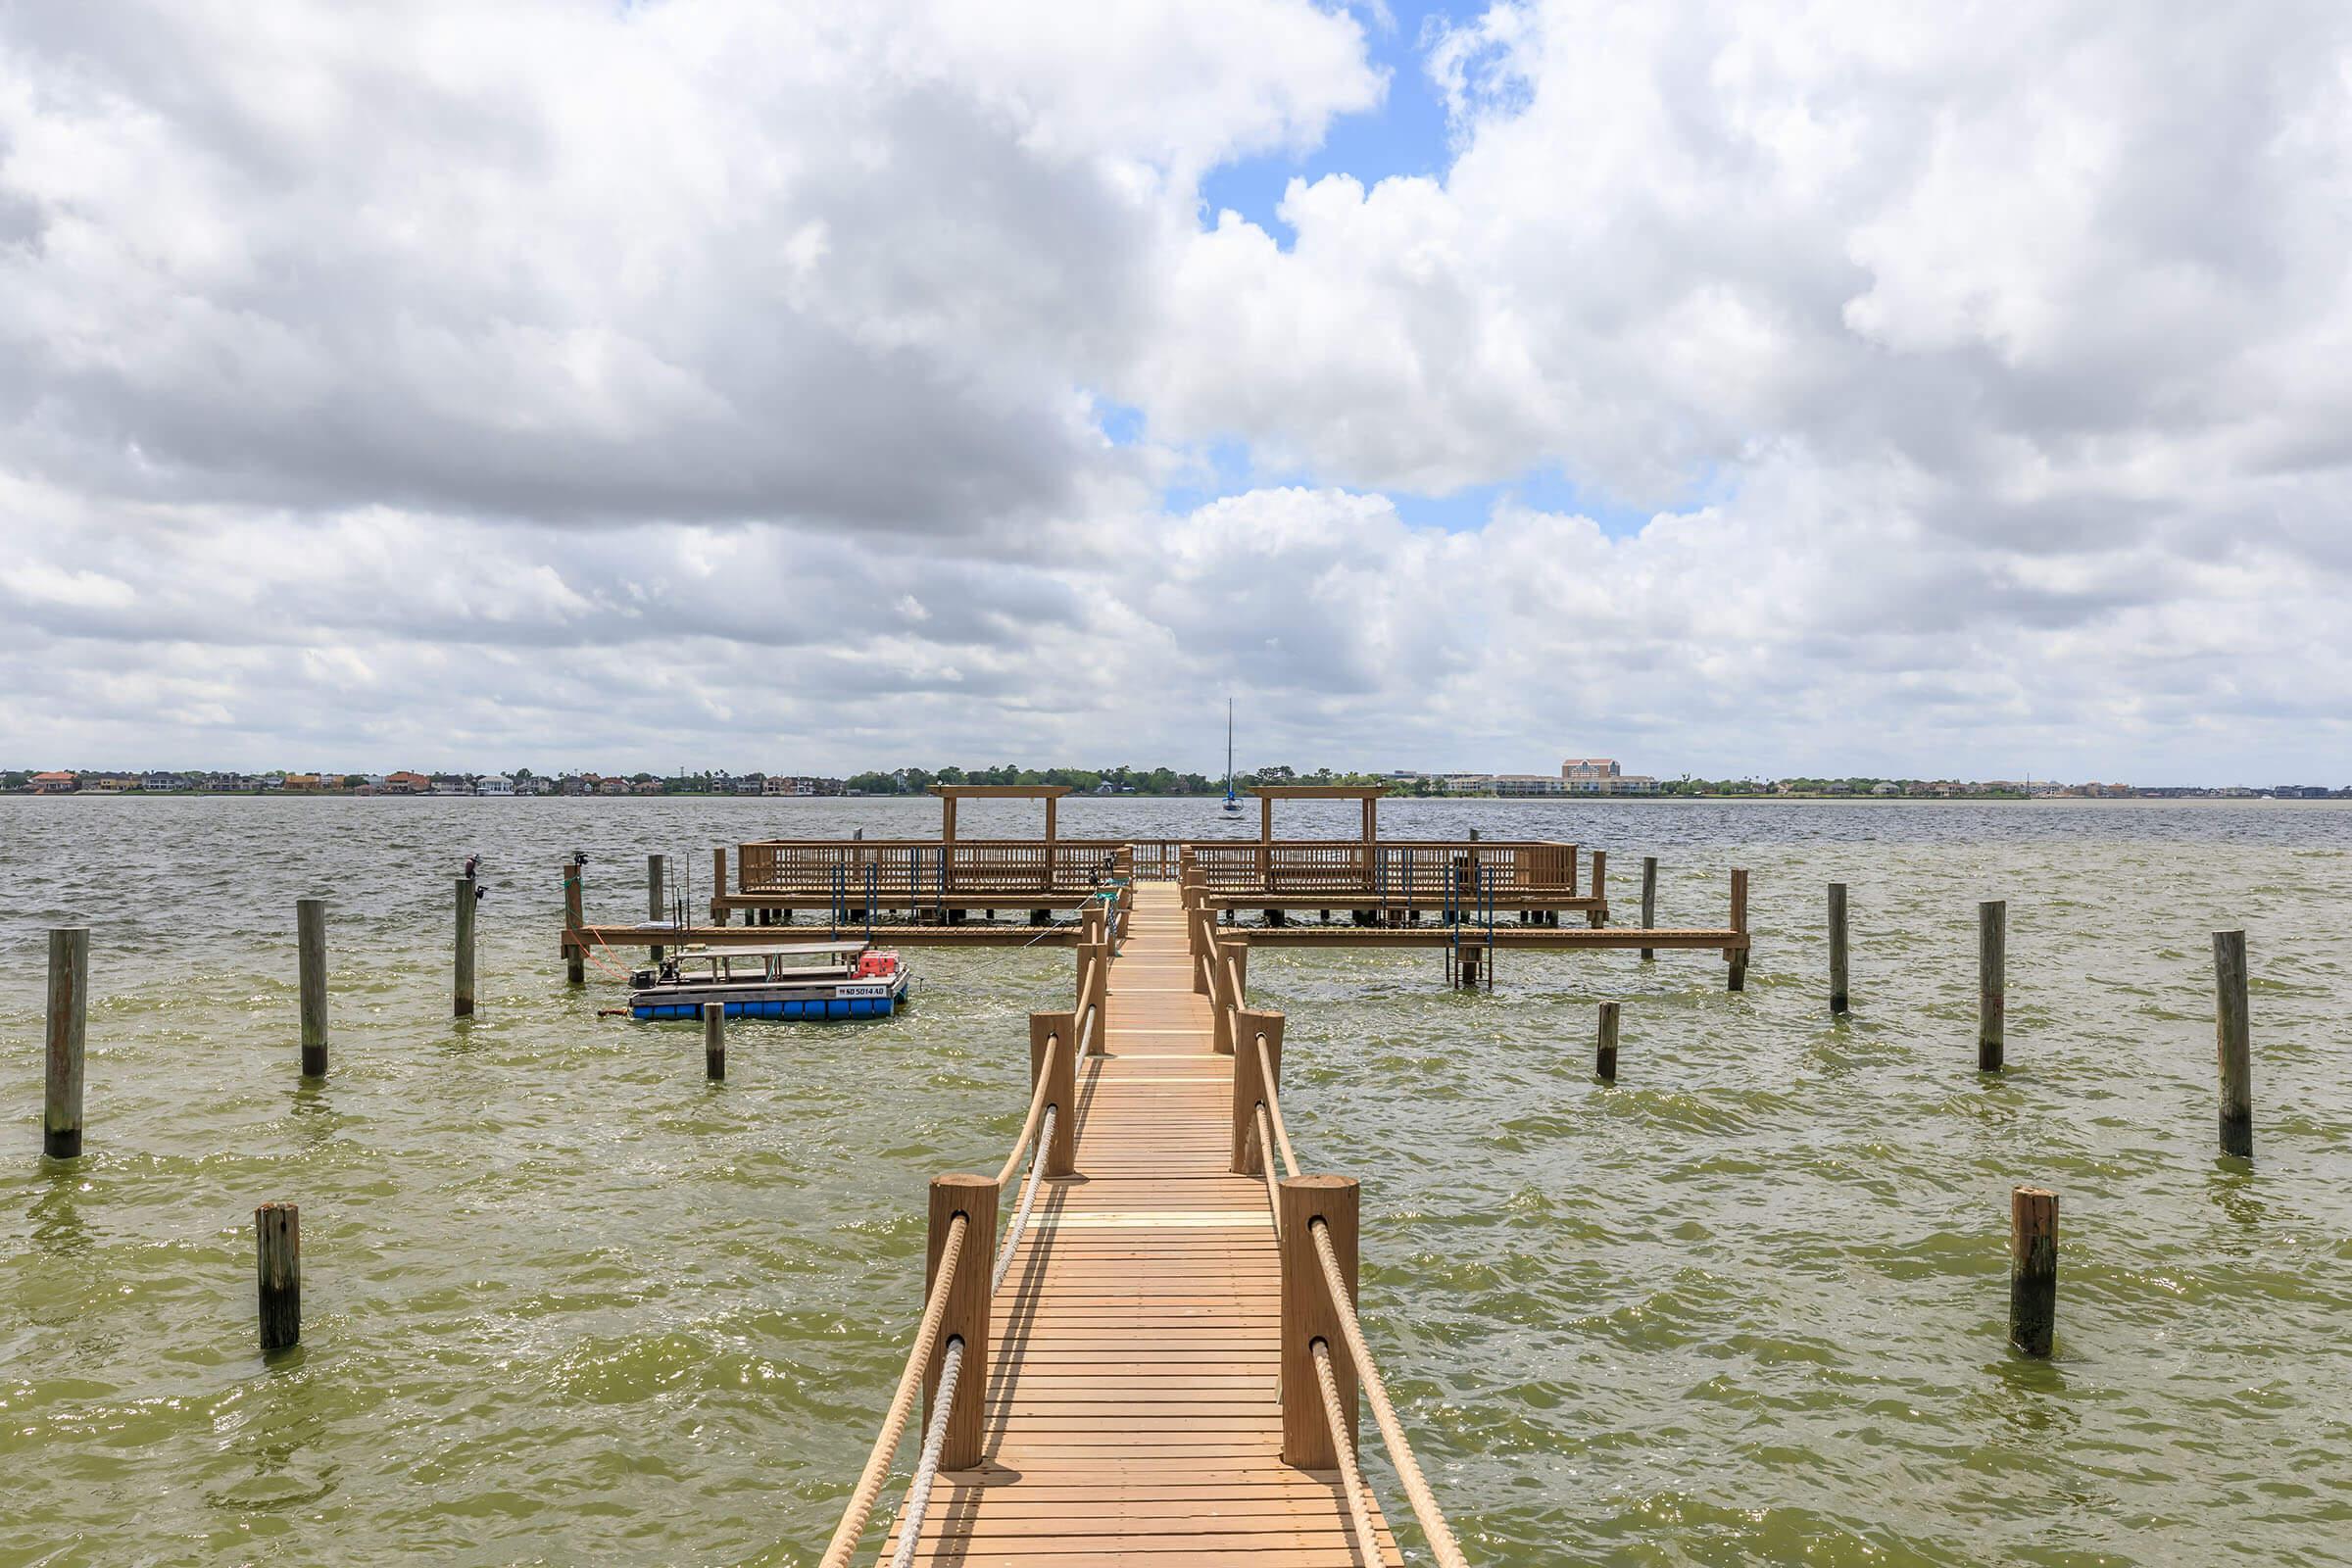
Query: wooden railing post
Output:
(1250,1086)
(1600,888)
(1229,977)
(1060,1154)
(1737,979)
(1203,947)
(1094,989)
(1309,1315)
(966,1314)
(718,884)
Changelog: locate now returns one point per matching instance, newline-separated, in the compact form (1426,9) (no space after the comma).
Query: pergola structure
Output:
(949,794)
(1268,794)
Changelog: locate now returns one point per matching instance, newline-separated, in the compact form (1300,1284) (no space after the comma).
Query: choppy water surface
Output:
(566,1304)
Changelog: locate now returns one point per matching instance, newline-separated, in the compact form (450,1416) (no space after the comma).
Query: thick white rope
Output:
(1265,1169)
(1376,1394)
(1037,1107)
(1273,1102)
(926,1468)
(1020,1218)
(1351,1479)
(894,1425)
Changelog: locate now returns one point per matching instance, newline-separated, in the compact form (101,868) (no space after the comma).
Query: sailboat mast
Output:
(1229,748)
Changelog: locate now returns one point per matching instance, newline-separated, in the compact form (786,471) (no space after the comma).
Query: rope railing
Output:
(1037,1107)
(926,1468)
(1384,1414)
(894,1425)
(1352,1477)
(1265,1141)
(1035,1140)
(1020,1218)
(1273,1103)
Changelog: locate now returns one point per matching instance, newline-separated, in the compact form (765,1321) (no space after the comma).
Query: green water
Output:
(567,1304)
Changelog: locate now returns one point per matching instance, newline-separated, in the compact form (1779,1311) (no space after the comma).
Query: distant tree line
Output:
(1137,780)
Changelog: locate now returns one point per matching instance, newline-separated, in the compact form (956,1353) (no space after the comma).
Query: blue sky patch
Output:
(1404,136)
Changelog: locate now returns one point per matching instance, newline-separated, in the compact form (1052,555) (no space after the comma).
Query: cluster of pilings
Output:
(2034,1210)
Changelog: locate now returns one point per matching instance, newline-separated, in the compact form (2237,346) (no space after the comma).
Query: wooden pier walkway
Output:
(1132,1413)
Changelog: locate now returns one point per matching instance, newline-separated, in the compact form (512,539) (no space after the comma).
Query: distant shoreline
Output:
(1141,795)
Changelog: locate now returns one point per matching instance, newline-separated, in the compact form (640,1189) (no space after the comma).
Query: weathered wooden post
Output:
(468,897)
(967,1315)
(309,961)
(715,1041)
(1098,988)
(1600,887)
(2032,1268)
(718,884)
(1836,948)
(2233,1039)
(656,877)
(1311,1313)
(1605,1052)
(576,948)
(1251,1085)
(1738,978)
(1993,990)
(1060,1031)
(1650,902)
(69,1020)
(277,1273)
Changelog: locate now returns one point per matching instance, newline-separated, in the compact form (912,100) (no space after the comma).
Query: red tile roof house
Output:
(54,783)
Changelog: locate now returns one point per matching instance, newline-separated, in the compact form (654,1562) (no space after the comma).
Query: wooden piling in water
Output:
(1737,980)
(715,1041)
(2233,1046)
(69,1020)
(657,878)
(309,963)
(1249,1085)
(966,1318)
(277,1273)
(718,884)
(2032,1268)
(1992,991)
(1604,1051)
(468,895)
(575,946)
(1309,1313)
(1650,903)
(1836,948)
(1600,884)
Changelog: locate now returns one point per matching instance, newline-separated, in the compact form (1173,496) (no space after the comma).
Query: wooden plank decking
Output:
(1132,1414)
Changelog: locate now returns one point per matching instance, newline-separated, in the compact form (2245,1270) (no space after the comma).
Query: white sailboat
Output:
(1233,803)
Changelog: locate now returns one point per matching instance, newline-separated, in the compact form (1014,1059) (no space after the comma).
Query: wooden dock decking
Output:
(1132,1414)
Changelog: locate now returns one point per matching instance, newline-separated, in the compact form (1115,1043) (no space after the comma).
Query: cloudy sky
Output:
(1821,387)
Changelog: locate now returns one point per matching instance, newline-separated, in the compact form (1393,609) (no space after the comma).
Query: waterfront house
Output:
(406,783)
(495,784)
(54,783)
